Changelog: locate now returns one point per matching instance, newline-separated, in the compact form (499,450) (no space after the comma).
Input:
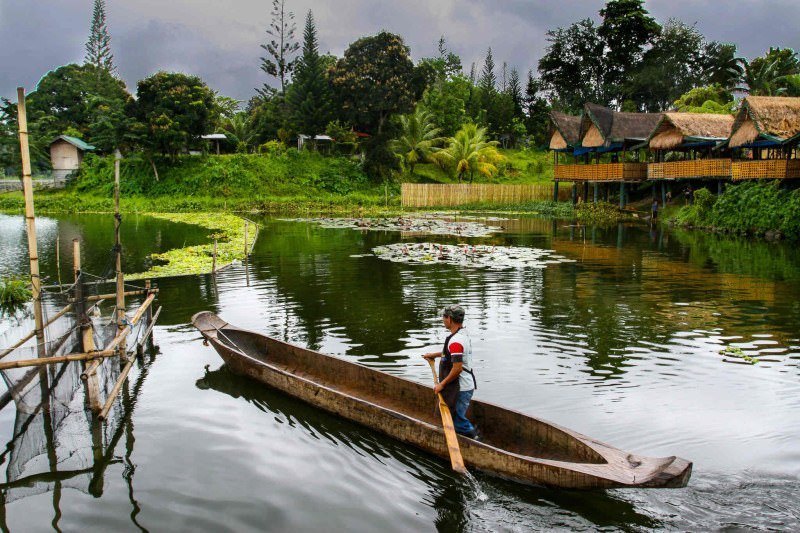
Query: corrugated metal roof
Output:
(74,141)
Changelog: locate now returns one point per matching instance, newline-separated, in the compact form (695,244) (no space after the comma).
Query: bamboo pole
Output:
(92,368)
(214,258)
(42,361)
(246,250)
(118,252)
(76,258)
(99,297)
(30,335)
(112,396)
(58,256)
(30,220)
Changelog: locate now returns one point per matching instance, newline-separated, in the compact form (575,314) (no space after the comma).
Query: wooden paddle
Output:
(456,462)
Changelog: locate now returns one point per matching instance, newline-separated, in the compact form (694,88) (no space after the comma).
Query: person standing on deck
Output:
(456,380)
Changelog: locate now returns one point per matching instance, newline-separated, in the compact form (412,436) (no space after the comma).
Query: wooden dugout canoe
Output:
(514,446)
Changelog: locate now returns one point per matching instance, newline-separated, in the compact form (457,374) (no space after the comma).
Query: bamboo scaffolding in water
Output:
(92,368)
(30,335)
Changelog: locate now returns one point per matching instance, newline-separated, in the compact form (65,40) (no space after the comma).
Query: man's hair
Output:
(455,312)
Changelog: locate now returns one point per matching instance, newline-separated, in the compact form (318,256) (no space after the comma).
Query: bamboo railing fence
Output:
(449,195)
(699,168)
(601,172)
(766,169)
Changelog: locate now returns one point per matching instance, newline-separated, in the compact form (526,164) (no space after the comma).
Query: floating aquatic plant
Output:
(427,225)
(492,257)
(738,353)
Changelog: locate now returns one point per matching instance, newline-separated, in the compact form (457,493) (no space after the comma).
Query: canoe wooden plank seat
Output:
(514,445)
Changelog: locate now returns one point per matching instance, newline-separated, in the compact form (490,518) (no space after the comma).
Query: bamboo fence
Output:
(700,168)
(449,195)
(767,169)
(601,172)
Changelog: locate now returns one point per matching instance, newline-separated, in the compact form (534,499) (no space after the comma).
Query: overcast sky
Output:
(219,39)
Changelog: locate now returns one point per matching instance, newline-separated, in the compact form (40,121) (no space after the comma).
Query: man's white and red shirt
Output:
(460,348)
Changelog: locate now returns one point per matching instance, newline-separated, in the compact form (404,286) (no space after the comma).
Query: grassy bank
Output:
(749,208)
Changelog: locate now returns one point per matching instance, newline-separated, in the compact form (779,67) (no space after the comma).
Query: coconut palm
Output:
(239,130)
(470,151)
(418,138)
(770,75)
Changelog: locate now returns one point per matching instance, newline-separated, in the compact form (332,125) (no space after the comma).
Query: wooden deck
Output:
(601,172)
(697,169)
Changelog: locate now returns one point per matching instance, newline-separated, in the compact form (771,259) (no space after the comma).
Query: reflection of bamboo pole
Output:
(58,256)
(115,391)
(152,322)
(27,186)
(91,368)
(30,335)
(214,258)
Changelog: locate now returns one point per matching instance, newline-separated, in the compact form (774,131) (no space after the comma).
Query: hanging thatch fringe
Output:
(666,140)
(745,134)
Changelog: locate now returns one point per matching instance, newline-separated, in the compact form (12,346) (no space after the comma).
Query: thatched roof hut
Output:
(675,130)
(602,127)
(767,120)
(565,131)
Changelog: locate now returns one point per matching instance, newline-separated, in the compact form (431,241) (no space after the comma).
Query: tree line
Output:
(398,111)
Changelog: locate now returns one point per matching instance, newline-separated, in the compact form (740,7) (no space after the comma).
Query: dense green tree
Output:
(174,110)
(83,98)
(469,151)
(573,69)
(374,81)
(279,61)
(769,75)
(514,90)
(537,111)
(98,47)
(673,65)
(626,30)
(238,128)
(418,136)
(447,102)
(722,65)
(310,98)
(707,99)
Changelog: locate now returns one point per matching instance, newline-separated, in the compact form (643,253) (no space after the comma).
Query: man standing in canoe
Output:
(456,379)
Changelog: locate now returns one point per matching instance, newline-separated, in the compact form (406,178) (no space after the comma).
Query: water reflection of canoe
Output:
(514,446)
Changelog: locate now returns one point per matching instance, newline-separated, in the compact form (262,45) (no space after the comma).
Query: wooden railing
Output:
(768,169)
(601,172)
(701,168)
(448,195)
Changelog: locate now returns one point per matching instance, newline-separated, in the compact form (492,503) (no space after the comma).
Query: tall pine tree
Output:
(310,97)
(279,61)
(98,47)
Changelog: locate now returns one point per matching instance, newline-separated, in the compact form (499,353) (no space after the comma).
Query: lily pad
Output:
(480,256)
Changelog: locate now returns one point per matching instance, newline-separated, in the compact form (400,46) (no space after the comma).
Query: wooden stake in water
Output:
(214,258)
(30,221)
(246,250)
(118,250)
(76,258)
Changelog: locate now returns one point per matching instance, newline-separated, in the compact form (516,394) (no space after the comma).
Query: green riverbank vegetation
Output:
(14,292)
(766,209)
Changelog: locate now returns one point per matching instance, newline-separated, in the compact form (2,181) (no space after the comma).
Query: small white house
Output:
(66,154)
(216,137)
(302,139)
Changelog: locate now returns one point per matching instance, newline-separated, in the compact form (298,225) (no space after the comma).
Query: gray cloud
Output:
(219,41)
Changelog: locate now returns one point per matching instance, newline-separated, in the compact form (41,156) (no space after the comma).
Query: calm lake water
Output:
(622,344)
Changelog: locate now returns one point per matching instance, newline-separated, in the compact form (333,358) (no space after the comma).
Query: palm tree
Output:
(470,151)
(239,129)
(418,138)
(767,76)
